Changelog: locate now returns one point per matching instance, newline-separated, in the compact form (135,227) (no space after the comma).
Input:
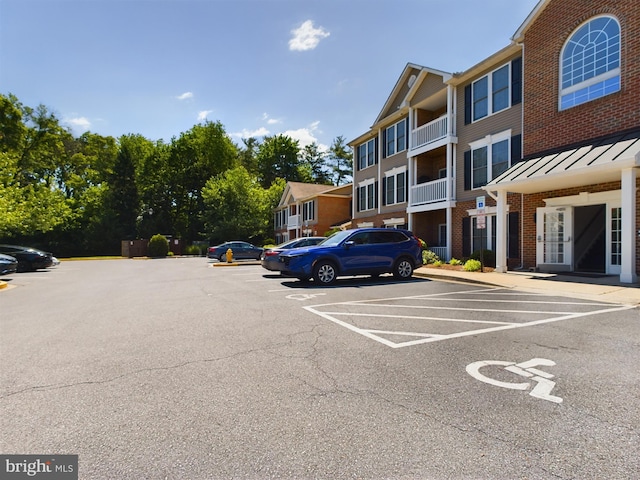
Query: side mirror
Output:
(348,244)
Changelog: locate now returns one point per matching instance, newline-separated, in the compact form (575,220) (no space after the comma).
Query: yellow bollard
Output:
(229,255)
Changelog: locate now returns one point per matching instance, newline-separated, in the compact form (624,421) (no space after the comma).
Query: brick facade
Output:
(545,126)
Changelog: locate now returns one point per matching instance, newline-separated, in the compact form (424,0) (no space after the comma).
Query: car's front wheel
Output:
(325,272)
(403,269)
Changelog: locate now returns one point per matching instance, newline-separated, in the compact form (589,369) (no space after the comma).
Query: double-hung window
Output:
(491,93)
(395,186)
(367,195)
(590,62)
(366,154)
(309,211)
(281,218)
(396,138)
(490,157)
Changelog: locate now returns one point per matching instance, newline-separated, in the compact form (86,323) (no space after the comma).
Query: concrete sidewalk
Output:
(600,288)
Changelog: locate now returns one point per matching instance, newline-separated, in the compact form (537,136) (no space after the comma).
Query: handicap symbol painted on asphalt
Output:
(303,296)
(542,388)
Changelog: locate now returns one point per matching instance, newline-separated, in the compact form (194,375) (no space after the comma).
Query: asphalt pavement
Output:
(605,288)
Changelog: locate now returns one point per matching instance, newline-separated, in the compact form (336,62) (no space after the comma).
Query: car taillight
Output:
(270,253)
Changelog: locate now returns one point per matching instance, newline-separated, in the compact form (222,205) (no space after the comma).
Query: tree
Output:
(197,155)
(314,164)
(247,155)
(278,158)
(238,208)
(340,160)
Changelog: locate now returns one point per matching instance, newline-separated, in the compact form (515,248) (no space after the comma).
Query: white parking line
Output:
(340,317)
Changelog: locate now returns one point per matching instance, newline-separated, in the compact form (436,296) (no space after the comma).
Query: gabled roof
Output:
(410,79)
(397,104)
(535,13)
(298,191)
(487,63)
(600,160)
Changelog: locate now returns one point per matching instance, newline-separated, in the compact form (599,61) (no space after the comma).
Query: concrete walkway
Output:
(601,288)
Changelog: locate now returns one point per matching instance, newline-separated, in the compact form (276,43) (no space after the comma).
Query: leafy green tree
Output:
(247,155)
(122,202)
(313,162)
(238,208)
(278,158)
(196,156)
(340,161)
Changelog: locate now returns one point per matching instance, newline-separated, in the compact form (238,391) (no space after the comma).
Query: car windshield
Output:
(335,239)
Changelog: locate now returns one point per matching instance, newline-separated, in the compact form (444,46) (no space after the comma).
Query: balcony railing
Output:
(435,191)
(293,222)
(429,133)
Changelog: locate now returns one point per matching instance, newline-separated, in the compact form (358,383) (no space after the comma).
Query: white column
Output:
(449,232)
(501,232)
(628,267)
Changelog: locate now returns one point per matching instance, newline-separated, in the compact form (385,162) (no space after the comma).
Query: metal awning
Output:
(596,162)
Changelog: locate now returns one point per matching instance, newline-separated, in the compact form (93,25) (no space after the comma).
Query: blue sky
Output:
(311,69)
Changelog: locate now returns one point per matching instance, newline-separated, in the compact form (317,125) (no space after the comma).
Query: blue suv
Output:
(362,251)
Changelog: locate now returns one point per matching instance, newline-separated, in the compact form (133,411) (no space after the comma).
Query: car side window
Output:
(360,238)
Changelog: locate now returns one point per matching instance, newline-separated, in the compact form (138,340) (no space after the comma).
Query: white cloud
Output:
(185,96)
(204,114)
(306,37)
(269,120)
(306,136)
(260,132)
(81,123)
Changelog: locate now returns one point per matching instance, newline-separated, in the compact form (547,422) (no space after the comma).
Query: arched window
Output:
(590,62)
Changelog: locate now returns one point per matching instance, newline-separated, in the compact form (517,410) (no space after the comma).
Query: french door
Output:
(554,229)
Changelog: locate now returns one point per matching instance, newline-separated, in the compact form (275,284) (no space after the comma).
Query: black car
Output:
(270,259)
(8,264)
(29,259)
(241,250)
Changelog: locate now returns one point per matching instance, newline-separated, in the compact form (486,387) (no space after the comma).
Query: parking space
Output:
(419,319)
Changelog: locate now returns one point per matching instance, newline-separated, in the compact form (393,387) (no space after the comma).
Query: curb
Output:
(3,284)
(452,278)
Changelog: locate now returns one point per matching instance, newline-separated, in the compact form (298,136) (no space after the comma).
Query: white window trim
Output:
(365,184)
(394,173)
(366,145)
(615,72)
(489,76)
(395,138)
(488,141)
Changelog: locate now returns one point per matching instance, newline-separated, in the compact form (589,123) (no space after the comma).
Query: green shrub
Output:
(437,263)
(429,257)
(488,257)
(158,246)
(472,265)
(193,250)
(455,261)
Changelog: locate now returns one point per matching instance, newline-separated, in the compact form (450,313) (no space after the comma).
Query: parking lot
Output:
(177,369)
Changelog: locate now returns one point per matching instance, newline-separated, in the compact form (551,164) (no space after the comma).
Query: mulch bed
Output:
(446,266)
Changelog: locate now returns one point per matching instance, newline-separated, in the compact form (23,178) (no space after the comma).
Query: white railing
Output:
(429,133)
(429,192)
(294,221)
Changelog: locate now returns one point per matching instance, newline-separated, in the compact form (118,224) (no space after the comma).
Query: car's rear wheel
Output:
(222,257)
(403,269)
(325,272)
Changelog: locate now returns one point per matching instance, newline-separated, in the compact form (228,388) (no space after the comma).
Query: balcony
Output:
(430,192)
(294,222)
(429,134)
